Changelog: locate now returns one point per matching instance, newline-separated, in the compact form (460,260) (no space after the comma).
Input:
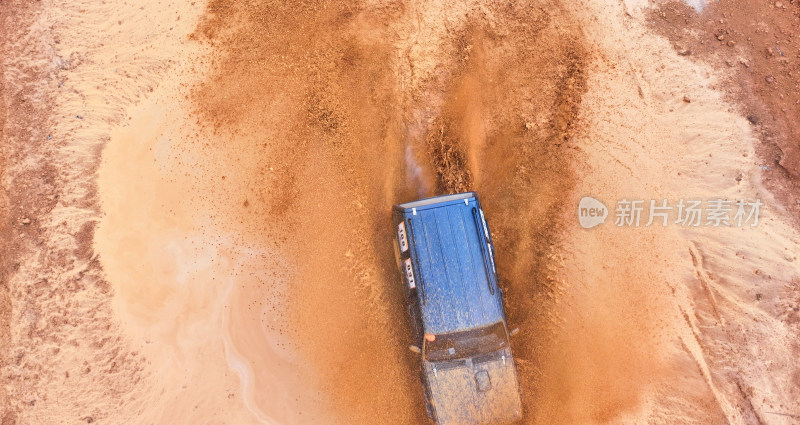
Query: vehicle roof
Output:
(446,236)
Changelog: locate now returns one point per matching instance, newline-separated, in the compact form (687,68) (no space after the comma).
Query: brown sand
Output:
(241,268)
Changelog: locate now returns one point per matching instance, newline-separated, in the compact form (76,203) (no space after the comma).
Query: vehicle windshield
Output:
(459,345)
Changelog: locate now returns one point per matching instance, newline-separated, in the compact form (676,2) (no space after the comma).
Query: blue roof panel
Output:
(456,292)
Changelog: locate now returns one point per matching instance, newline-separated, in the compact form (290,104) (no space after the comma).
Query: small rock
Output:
(529,126)
(80,117)
(26,221)
(778,4)
(745,63)
(686,99)
(758,297)
(684,52)
(770,79)
(739,177)
(731,43)
(729,63)
(720,37)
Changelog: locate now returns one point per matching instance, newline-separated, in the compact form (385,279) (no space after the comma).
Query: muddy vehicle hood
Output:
(475,391)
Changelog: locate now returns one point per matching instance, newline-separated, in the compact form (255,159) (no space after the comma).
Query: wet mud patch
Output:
(449,162)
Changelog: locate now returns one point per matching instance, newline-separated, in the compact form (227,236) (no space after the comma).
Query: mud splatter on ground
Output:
(496,113)
(230,260)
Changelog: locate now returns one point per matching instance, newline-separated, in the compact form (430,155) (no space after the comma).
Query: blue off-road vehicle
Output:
(445,256)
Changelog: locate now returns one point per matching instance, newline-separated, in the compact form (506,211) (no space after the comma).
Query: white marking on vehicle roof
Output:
(414,210)
(485,227)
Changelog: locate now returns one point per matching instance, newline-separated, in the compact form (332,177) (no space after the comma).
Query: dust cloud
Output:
(489,109)
(246,190)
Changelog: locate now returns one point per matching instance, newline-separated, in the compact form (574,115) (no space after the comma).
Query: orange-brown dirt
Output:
(196,197)
(55,324)
(759,42)
(350,117)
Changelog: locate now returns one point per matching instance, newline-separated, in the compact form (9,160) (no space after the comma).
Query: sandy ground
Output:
(195,205)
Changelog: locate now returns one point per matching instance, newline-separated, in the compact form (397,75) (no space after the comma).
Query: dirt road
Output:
(196,205)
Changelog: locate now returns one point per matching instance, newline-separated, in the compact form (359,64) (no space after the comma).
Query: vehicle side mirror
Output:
(513,332)
(414,349)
